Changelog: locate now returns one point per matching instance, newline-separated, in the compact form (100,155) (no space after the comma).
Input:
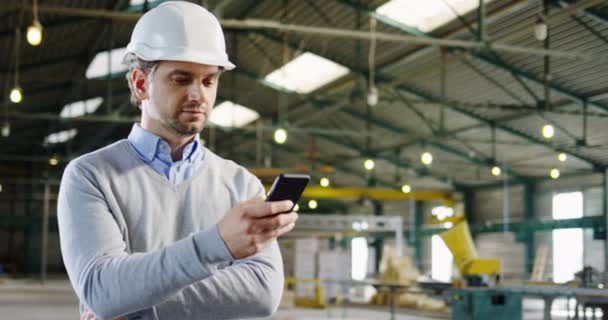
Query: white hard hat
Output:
(180,31)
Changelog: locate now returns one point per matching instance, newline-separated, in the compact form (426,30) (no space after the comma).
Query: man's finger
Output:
(88,315)
(267,208)
(269,235)
(253,200)
(274,222)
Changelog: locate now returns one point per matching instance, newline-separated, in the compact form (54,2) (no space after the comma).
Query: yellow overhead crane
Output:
(458,240)
(318,192)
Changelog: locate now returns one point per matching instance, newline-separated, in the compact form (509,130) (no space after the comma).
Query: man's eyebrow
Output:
(179,72)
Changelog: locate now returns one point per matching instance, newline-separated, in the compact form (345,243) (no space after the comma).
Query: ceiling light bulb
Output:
(53,161)
(34,33)
(16,95)
(280,135)
(406,188)
(496,171)
(372,96)
(554,173)
(6,130)
(426,158)
(324,182)
(562,157)
(369,164)
(540,29)
(312,204)
(548,131)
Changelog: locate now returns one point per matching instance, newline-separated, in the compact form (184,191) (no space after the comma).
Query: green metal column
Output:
(469,207)
(378,242)
(418,223)
(528,237)
(28,230)
(605,213)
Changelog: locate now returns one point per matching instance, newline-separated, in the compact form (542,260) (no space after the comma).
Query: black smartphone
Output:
(288,186)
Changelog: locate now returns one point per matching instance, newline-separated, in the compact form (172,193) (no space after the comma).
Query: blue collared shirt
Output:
(156,153)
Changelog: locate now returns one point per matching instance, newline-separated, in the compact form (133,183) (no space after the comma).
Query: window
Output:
(442,212)
(426,15)
(133,3)
(306,73)
(230,114)
(441,257)
(442,260)
(567,243)
(359,258)
(60,137)
(80,108)
(98,68)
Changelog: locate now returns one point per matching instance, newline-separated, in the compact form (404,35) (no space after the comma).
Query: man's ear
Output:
(139,79)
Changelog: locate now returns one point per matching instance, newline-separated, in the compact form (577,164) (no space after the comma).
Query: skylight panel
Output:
(133,3)
(426,15)
(99,66)
(306,73)
(232,115)
(60,137)
(80,108)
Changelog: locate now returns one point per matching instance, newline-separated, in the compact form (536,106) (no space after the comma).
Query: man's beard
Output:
(180,129)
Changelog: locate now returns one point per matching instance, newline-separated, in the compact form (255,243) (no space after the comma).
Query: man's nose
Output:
(196,92)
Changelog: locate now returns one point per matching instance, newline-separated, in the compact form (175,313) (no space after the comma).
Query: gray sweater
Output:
(135,244)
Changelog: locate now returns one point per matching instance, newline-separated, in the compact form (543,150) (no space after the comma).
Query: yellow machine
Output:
(458,240)
(317,300)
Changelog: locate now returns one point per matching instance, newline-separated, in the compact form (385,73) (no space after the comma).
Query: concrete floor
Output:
(29,300)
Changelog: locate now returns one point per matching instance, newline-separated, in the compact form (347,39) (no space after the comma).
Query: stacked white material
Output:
(305,264)
(334,265)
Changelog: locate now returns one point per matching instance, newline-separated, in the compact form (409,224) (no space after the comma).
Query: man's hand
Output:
(251,225)
(88,315)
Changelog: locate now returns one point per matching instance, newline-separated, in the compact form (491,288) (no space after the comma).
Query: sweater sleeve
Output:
(247,288)
(250,287)
(108,280)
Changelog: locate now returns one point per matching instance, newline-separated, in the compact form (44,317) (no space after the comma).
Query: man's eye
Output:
(182,81)
(208,82)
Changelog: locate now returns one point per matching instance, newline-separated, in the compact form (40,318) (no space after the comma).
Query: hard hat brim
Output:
(178,54)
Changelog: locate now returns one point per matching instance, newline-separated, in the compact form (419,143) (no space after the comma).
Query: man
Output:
(156,226)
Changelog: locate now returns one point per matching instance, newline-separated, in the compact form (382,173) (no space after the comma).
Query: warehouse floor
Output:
(28,300)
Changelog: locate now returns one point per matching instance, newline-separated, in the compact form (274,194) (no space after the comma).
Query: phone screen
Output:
(288,186)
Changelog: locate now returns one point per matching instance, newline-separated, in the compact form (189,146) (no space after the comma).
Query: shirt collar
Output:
(147,144)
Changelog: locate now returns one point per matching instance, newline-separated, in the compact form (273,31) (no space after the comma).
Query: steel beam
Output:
(454,151)
(587,222)
(333,32)
(564,14)
(488,162)
(420,94)
(318,192)
(427,97)
(597,15)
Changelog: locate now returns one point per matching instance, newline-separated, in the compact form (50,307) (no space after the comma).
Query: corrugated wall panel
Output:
(504,247)
(593,253)
(488,205)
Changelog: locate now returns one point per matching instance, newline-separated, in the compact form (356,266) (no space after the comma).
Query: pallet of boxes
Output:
(401,271)
(307,291)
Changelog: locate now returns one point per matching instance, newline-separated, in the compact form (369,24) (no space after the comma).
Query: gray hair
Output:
(134,62)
